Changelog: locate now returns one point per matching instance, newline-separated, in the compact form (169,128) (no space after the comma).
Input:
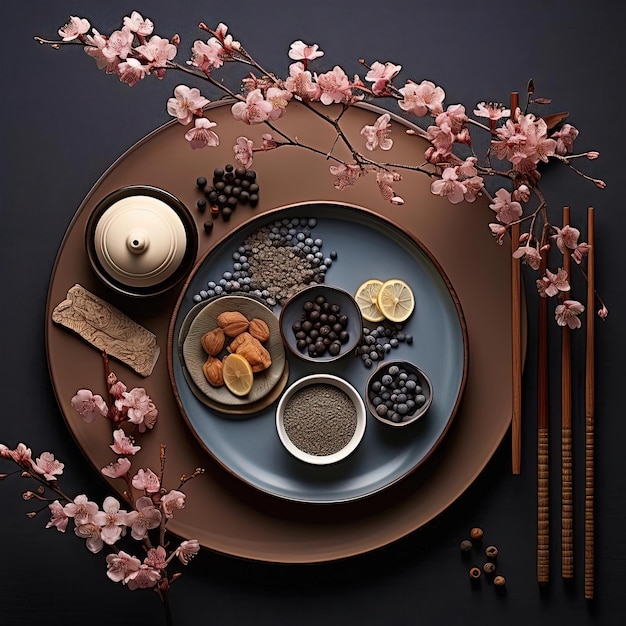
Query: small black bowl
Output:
(294,312)
(393,369)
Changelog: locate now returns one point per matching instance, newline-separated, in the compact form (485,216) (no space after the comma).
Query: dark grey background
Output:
(64,123)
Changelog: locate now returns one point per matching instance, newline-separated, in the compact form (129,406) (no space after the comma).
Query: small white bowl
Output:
(319,458)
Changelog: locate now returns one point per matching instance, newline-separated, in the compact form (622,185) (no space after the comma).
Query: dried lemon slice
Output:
(238,376)
(365,297)
(395,300)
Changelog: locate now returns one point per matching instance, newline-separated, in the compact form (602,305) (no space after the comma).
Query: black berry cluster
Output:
(322,328)
(229,187)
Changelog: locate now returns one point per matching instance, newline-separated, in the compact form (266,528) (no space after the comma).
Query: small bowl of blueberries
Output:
(321,324)
(398,393)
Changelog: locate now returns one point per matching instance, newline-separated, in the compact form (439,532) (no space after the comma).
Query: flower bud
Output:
(599,183)
(603,312)
(592,154)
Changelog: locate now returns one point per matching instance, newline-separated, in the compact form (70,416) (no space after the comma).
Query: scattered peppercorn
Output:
(201,181)
(476,533)
(489,568)
(499,581)
(208,226)
(491,552)
(201,205)
(465,545)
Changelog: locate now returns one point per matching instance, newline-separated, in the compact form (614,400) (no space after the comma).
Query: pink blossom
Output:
(207,56)
(566,237)
(156,558)
(122,444)
(90,532)
(116,469)
(565,139)
(76,27)
(112,520)
(227,41)
(345,175)
(449,186)
(138,405)
(473,188)
(89,405)
(22,455)
(300,83)
(201,135)
(146,480)
(5,451)
(137,24)
(498,231)
(269,143)
(566,314)
(385,180)
(279,99)
(187,550)
(580,251)
(144,518)
(116,388)
(529,255)
(254,110)
(47,465)
(58,519)
(381,75)
(522,193)
(300,51)
(243,151)
(171,501)
(132,71)
(81,509)
(186,103)
(95,46)
(551,283)
(491,110)
(603,313)
(158,51)
(118,45)
(442,138)
(377,136)
(422,98)
(143,578)
(454,116)
(507,210)
(121,565)
(335,86)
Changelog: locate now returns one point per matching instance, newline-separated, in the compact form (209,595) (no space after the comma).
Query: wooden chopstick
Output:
(567,507)
(516,339)
(589,414)
(543,491)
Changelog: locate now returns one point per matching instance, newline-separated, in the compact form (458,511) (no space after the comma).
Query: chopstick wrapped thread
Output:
(543,499)
(567,508)
(589,415)
(516,339)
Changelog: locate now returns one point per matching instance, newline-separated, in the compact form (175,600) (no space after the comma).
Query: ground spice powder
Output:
(320,419)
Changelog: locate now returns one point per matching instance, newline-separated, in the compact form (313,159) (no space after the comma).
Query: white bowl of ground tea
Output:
(321,419)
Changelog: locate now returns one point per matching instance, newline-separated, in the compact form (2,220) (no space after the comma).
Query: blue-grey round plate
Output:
(367,246)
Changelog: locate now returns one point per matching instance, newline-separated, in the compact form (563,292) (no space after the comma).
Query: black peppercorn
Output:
(201,204)
(201,181)
(208,226)
(491,552)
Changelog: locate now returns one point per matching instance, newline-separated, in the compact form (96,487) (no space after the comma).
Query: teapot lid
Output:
(140,240)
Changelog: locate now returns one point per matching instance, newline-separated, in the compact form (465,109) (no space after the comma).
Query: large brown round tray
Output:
(223,513)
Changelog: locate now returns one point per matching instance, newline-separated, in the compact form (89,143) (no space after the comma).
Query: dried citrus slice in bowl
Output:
(395,300)
(365,297)
(238,375)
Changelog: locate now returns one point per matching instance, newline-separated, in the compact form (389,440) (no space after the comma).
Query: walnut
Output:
(233,323)
(212,370)
(213,341)
(259,329)
(251,349)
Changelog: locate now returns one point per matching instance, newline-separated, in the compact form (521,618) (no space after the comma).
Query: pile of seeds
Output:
(275,262)
(377,342)
(320,419)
